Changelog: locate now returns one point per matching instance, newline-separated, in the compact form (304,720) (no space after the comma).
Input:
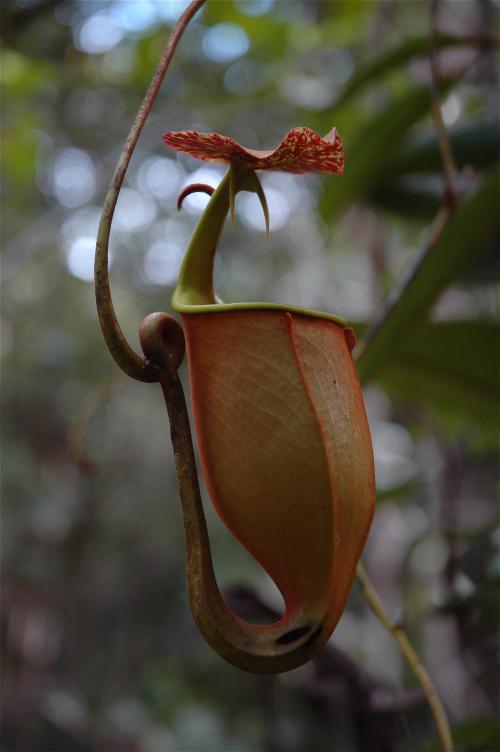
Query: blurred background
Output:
(99,648)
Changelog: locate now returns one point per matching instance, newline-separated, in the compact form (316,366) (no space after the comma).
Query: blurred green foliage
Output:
(99,649)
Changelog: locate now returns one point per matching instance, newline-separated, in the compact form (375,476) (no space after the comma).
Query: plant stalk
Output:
(411,657)
(126,358)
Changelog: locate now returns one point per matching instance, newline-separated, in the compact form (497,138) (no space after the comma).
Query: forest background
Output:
(99,649)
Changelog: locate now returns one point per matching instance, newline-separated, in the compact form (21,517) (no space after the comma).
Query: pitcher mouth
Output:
(193,308)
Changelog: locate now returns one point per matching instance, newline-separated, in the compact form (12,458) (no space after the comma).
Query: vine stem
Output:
(411,657)
(371,339)
(369,345)
(450,197)
(129,361)
(450,200)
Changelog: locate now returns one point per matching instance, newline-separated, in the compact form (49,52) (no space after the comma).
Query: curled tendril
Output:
(234,173)
(193,188)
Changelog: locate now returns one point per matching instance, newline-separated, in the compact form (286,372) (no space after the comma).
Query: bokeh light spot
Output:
(159,176)
(73,178)
(254,7)
(162,262)
(80,258)
(452,109)
(135,15)
(99,33)
(163,257)
(394,452)
(196,202)
(247,77)
(250,210)
(224,42)
(171,10)
(312,92)
(134,211)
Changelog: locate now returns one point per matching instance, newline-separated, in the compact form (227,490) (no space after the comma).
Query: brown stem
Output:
(408,652)
(129,361)
(450,198)
(406,282)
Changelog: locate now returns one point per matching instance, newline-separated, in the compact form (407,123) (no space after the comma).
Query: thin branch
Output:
(406,282)
(449,203)
(450,200)
(127,359)
(410,656)
(449,170)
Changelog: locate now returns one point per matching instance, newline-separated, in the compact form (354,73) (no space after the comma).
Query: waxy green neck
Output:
(194,292)
(195,283)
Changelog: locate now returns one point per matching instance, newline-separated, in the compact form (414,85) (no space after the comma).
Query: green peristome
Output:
(194,292)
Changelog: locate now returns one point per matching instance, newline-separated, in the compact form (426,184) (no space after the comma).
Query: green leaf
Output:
(450,366)
(414,185)
(393,59)
(412,196)
(474,144)
(470,229)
